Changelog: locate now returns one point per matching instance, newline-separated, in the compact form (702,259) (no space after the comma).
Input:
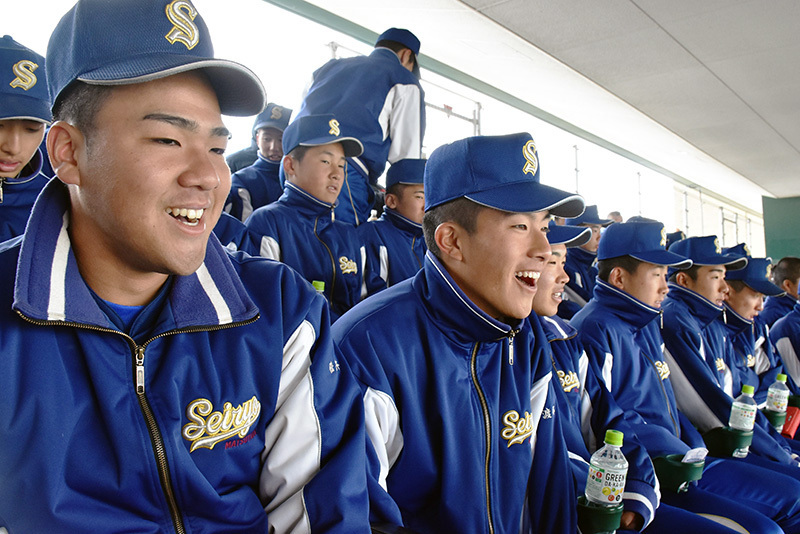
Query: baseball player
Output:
(150,381)
(24,116)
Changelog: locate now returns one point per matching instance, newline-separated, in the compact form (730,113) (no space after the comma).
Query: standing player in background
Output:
(24,116)
(378,98)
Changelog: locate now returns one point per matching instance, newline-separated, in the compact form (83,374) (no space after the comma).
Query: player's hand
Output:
(631,521)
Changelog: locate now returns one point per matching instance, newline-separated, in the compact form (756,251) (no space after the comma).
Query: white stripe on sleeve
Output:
(57,305)
(400,121)
(382,422)
(789,358)
(293,439)
(270,248)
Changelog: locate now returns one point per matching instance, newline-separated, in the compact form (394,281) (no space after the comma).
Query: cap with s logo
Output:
(23,87)
(501,172)
(121,43)
(756,274)
(273,116)
(316,130)
(645,241)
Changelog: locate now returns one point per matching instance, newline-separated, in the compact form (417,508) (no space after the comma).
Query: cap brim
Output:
(259,126)
(663,257)
(24,108)
(352,146)
(529,196)
(731,262)
(764,287)
(570,236)
(239,91)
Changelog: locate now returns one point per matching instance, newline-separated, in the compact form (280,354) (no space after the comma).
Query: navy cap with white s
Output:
(23,85)
(317,130)
(121,43)
(500,172)
(273,116)
(644,241)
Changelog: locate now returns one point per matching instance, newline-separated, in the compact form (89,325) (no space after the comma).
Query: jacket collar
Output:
(402,223)
(305,203)
(628,308)
(452,310)
(581,256)
(264,163)
(557,329)
(735,322)
(49,287)
(700,307)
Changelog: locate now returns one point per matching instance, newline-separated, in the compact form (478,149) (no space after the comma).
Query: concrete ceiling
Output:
(724,75)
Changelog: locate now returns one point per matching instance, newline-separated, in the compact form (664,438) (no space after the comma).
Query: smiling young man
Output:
(259,184)
(24,116)
(756,361)
(456,383)
(619,330)
(174,387)
(394,243)
(300,229)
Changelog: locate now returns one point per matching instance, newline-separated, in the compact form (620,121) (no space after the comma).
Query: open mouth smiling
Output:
(190,217)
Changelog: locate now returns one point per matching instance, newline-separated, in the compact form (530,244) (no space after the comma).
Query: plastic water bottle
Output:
(743,416)
(778,397)
(319,285)
(607,471)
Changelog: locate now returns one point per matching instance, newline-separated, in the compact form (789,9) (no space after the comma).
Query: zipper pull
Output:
(140,370)
(511,348)
(724,316)
(661,318)
(333,215)
(2,183)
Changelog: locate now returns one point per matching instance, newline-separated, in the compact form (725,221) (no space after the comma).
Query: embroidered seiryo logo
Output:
(663,370)
(663,237)
(569,381)
(347,265)
(207,427)
(334,124)
(276,113)
(531,161)
(517,429)
(181,13)
(25,78)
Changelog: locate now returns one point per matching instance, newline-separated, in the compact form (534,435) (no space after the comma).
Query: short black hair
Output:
(691,272)
(787,268)
(395,47)
(461,211)
(79,104)
(299,152)
(627,263)
(736,285)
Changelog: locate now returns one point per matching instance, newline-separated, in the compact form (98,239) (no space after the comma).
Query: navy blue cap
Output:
(316,130)
(273,116)
(119,43)
(756,274)
(406,171)
(570,236)
(644,241)
(405,38)
(706,250)
(501,172)
(674,237)
(589,216)
(23,85)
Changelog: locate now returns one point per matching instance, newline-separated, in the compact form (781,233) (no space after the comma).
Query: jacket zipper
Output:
(664,391)
(487,427)
(330,254)
(511,335)
(413,251)
(157,441)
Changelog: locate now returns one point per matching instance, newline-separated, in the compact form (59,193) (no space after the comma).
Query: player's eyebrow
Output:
(186,124)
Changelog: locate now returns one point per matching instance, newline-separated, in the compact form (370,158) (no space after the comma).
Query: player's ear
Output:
(289,166)
(390,200)
(448,239)
(617,278)
(65,144)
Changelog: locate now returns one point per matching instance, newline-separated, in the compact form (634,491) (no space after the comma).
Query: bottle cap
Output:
(614,437)
(319,285)
(747,389)
(781,377)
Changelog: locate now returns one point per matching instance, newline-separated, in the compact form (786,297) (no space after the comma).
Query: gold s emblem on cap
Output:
(769,271)
(747,250)
(276,113)
(25,79)
(531,161)
(716,244)
(334,124)
(663,237)
(181,13)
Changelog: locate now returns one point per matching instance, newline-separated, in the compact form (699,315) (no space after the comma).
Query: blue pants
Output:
(356,197)
(669,518)
(768,491)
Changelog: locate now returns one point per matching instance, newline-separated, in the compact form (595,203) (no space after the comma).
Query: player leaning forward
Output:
(458,390)
(150,382)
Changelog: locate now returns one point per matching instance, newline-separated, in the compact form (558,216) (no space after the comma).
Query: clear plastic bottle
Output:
(778,397)
(743,416)
(607,471)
